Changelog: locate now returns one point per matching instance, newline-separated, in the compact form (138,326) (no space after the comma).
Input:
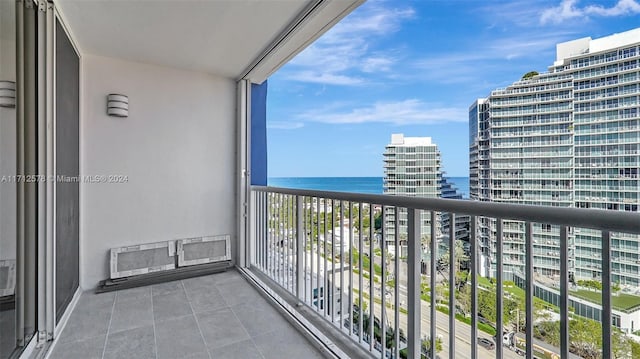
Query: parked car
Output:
(486,343)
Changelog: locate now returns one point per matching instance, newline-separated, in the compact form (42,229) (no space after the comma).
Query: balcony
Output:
(185,152)
(330,282)
(215,316)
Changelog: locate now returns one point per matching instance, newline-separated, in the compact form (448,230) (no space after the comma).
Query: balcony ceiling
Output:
(221,37)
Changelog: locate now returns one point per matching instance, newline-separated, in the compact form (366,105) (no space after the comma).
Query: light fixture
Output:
(117,105)
(7,94)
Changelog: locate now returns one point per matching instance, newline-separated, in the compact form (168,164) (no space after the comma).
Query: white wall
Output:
(177,148)
(7,134)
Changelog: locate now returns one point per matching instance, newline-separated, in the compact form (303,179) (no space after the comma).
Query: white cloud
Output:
(410,111)
(623,7)
(488,58)
(324,78)
(378,63)
(526,44)
(568,9)
(284,125)
(344,55)
(522,13)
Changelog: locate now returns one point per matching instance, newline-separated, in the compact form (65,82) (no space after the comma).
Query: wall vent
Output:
(7,277)
(201,250)
(142,259)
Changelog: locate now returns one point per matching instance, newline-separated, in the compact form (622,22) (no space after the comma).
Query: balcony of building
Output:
(184,157)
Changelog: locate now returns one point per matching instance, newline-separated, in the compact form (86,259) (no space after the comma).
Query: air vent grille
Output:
(201,250)
(141,259)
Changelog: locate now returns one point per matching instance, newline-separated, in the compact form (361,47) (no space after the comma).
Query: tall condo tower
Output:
(411,168)
(569,138)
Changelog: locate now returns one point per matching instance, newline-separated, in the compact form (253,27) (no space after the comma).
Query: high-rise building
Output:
(411,168)
(479,174)
(569,137)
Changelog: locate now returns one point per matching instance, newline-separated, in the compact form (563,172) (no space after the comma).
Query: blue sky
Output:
(414,67)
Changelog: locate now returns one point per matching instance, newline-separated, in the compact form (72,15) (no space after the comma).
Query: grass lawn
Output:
(622,302)
(365,262)
(508,287)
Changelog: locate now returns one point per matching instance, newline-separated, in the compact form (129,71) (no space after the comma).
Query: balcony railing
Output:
(322,247)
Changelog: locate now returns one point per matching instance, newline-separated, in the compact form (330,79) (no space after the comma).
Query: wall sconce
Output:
(117,105)
(7,94)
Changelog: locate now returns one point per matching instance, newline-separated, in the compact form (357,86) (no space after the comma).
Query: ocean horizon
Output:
(369,185)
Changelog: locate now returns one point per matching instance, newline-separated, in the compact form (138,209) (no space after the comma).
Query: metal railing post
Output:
(606,295)
(499,289)
(383,282)
(300,250)
(396,290)
(452,285)
(361,273)
(434,269)
(414,283)
(529,288)
(474,287)
(564,294)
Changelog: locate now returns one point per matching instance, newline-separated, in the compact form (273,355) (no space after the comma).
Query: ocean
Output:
(371,185)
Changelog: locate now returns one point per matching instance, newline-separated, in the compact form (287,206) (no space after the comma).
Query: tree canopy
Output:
(530,74)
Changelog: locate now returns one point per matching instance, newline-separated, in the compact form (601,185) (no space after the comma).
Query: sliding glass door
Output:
(18,191)
(67,67)
(8,188)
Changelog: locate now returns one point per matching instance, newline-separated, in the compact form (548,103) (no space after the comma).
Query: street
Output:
(462,330)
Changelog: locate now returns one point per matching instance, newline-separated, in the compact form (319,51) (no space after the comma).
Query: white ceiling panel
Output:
(215,36)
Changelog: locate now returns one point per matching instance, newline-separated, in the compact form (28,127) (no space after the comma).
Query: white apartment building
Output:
(570,138)
(411,168)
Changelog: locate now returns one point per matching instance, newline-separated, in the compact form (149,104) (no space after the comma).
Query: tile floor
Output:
(216,316)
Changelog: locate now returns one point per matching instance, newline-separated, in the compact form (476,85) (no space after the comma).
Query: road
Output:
(462,330)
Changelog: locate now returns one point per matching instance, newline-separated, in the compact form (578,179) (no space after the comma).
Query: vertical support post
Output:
(499,290)
(371,277)
(291,245)
(350,269)
(360,271)
(303,248)
(606,295)
(261,229)
(49,172)
(300,250)
(474,287)
(243,164)
(269,234)
(27,108)
(327,295)
(253,228)
(282,217)
(320,289)
(312,247)
(529,288)
(564,294)
(414,284)
(342,264)
(277,238)
(21,302)
(396,290)
(434,268)
(45,251)
(333,263)
(452,285)
(383,286)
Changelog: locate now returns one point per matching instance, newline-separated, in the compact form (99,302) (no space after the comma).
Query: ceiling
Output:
(221,37)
